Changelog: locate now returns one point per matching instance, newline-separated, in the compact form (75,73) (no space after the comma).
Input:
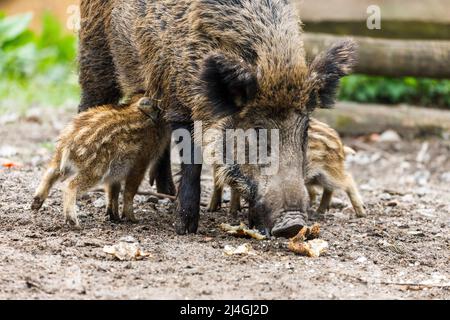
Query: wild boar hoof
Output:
(289,224)
(37,203)
(186,225)
(113,216)
(131,219)
(73,223)
(361,213)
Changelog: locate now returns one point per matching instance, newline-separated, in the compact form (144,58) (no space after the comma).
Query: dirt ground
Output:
(401,250)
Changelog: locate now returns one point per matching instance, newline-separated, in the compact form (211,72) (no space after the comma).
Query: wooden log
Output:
(391,29)
(356,10)
(395,58)
(410,122)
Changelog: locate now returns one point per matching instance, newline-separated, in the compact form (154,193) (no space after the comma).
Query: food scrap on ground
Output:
(245,249)
(312,248)
(126,250)
(242,231)
(307,242)
(308,233)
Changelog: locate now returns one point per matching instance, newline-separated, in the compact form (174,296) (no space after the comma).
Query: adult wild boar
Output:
(205,60)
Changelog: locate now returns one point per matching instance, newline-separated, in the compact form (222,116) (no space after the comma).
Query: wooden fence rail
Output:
(392,57)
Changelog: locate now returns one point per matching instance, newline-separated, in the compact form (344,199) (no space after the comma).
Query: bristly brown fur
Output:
(325,168)
(108,145)
(325,73)
(172,41)
(206,60)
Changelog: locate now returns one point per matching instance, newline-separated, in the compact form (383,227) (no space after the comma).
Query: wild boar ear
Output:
(326,71)
(228,84)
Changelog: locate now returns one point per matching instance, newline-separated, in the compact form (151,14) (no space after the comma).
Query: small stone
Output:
(361,259)
(337,203)
(7,151)
(9,118)
(423,155)
(390,136)
(445,177)
(385,196)
(416,233)
(428,213)
(164,202)
(422,177)
(422,191)
(140,199)
(128,239)
(408,198)
(392,203)
(99,203)
(207,292)
(153,199)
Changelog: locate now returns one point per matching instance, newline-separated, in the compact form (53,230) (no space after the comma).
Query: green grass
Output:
(416,91)
(49,145)
(39,70)
(36,69)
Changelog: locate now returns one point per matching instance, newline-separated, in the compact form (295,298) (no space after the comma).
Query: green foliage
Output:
(427,92)
(36,69)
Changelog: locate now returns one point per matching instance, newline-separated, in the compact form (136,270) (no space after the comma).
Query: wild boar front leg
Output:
(235,202)
(112,194)
(188,198)
(162,173)
(312,194)
(216,198)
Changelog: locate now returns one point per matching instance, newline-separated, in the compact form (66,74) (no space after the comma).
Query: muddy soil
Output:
(401,250)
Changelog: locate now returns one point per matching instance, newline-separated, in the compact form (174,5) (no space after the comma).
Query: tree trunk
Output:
(395,58)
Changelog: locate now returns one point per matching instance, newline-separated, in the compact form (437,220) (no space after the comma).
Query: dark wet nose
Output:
(289,223)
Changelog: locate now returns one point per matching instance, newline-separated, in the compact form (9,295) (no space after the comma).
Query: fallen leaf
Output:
(242,231)
(307,233)
(245,249)
(374,137)
(307,242)
(125,251)
(313,248)
(10,165)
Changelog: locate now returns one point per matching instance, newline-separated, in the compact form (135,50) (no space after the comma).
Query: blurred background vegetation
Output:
(38,68)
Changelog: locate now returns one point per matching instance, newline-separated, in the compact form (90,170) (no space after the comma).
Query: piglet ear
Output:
(228,84)
(326,71)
